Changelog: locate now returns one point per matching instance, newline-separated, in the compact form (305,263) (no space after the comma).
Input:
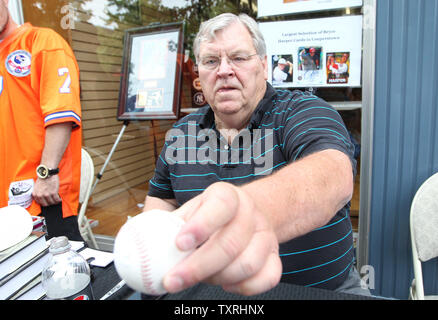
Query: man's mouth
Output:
(225,89)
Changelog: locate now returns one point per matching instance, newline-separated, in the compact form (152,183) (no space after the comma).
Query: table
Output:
(285,301)
(283,291)
(104,279)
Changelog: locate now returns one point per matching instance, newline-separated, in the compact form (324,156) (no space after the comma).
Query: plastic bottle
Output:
(66,275)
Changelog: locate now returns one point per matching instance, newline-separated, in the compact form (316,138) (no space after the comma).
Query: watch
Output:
(44,172)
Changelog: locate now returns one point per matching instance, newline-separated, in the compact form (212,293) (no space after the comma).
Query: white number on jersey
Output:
(1,84)
(65,88)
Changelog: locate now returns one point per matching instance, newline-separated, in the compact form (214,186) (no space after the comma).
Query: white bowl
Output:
(16,225)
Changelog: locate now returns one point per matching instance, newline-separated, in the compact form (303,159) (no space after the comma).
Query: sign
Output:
(314,53)
(280,7)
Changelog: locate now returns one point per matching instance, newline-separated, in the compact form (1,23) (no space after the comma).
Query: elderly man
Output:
(252,222)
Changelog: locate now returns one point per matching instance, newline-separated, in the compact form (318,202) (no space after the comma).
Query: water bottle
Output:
(66,275)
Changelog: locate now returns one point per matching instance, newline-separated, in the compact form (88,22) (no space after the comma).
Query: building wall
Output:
(405,148)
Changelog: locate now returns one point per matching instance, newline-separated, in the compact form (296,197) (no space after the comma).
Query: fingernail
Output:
(186,242)
(173,283)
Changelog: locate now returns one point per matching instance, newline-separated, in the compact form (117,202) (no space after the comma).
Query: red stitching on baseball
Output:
(144,261)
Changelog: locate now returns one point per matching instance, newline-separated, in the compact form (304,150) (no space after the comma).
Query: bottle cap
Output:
(59,245)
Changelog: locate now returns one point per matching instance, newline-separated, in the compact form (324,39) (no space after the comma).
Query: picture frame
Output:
(150,82)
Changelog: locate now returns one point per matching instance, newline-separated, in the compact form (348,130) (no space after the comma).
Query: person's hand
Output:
(236,245)
(45,191)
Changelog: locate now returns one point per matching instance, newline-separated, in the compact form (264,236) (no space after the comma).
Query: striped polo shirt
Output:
(285,127)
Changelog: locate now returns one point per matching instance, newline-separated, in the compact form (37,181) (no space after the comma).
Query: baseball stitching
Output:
(143,255)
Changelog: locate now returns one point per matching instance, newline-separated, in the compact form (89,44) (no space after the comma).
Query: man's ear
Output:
(265,67)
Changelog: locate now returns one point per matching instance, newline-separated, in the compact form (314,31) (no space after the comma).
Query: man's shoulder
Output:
(46,39)
(297,100)
(294,97)
(41,31)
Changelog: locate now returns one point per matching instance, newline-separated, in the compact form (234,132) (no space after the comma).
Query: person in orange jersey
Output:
(40,124)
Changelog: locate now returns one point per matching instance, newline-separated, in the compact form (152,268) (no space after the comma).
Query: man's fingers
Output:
(267,278)
(48,200)
(250,262)
(45,192)
(211,257)
(214,209)
(187,210)
(224,232)
(233,244)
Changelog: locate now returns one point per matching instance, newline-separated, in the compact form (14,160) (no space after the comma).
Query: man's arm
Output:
(158,203)
(56,140)
(306,194)
(240,227)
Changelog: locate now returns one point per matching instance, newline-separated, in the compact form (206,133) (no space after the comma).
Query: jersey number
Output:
(65,88)
(1,84)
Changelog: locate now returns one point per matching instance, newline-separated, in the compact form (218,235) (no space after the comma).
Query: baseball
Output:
(145,250)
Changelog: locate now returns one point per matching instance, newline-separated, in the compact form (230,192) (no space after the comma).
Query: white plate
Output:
(15,226)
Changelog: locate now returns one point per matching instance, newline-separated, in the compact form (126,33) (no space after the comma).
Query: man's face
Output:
(232,90)
(4,15)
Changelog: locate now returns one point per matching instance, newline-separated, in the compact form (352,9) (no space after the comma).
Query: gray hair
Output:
(208,29)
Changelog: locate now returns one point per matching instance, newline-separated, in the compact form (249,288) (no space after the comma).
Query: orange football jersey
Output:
(39,86)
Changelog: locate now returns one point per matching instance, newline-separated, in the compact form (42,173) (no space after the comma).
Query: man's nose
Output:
(225,68)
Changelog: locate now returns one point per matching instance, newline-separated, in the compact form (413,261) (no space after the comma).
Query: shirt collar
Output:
(207,121)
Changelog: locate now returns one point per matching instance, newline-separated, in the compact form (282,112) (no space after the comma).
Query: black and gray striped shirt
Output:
(285,126)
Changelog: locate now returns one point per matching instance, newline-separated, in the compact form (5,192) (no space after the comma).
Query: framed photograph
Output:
(151,72)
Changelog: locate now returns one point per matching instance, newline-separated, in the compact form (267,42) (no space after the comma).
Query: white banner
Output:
(314,53)
(279,7)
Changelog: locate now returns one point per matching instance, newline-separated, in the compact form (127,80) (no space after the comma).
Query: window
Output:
(95,30)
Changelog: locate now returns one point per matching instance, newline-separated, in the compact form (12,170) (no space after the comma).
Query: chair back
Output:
(87,175)
(424,232)
(424,219)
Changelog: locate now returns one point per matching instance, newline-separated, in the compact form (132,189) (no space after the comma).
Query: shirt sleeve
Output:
(58,82)
(313,125)
(160,185)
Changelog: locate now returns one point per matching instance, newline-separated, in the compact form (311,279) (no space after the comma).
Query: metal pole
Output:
(100,174)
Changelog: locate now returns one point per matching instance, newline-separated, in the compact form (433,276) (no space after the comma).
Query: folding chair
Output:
(87,175)
(424,233)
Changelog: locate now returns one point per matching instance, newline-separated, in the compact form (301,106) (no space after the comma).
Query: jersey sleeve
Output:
(58,80)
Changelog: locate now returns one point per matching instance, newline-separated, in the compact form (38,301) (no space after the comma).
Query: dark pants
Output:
(59,226)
